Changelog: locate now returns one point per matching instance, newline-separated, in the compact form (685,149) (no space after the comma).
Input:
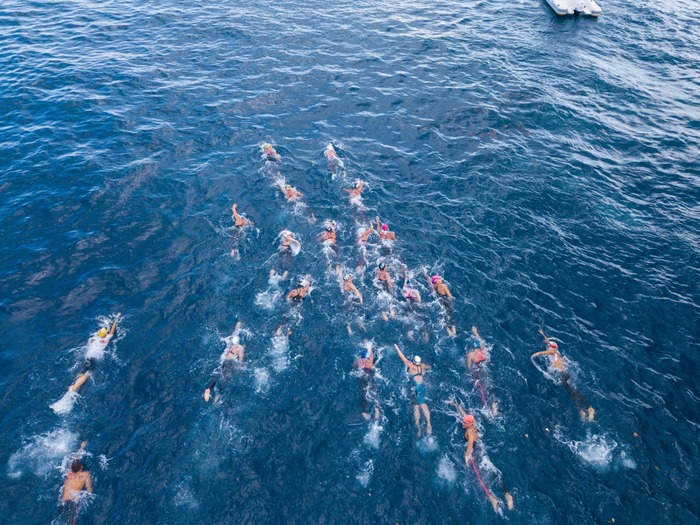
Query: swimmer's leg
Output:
(426,413)
(80,381)
(416,418)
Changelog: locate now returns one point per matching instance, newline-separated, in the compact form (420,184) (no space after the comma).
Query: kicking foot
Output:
(349,329)
(494,502)
(591,413)
(365,415)
(509,501)
(494,409)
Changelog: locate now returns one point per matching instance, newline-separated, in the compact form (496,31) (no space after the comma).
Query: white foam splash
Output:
(41,454)
(65,404)
(280,356)
(373,436)
(268,299)
(596,450)
(364,476)
(262,379)
(446,470)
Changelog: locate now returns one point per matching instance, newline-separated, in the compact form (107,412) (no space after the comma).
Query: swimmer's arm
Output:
(88,482)
(543,352)
(371,358)
(290,294)
(546,339)
(470,447)
(460,410)
(390,281)
(241,353)
(469,360)
(114,324)
(427,367)
(447,289)
(357,293)
(476,334)
(379,224)
(366,233)
(403,357)
(427,279)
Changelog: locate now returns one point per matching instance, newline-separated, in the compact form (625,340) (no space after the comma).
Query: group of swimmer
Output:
(477,357)
(78,479)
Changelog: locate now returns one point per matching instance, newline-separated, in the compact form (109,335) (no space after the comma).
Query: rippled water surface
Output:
(547,168)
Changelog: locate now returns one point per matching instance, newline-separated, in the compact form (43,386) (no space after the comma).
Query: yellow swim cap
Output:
(266,145)
(102,332)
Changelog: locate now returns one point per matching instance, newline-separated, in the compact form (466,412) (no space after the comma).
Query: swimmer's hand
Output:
(83,445)
(207,395)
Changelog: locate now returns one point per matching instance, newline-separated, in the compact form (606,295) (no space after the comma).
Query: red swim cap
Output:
(552,344)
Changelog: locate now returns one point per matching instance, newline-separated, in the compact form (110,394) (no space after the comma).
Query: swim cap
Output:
(266,145)
(102,332)
(476,344)
(434,279)
(301,284)
(235,340)
(347,277)
(364,354)
(357,183)
(288,187)
(385,227)
(416,360)
(330,146)
(329,228)
(552,344)
(382,265)
(468,419)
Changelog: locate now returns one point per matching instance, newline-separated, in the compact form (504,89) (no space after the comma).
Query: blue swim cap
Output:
(476,344)
(364,354)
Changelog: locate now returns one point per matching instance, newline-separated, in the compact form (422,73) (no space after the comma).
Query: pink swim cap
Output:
(434,279)
(468,419)
(385,226)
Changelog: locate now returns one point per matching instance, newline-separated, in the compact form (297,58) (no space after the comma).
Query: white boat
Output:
(575,7)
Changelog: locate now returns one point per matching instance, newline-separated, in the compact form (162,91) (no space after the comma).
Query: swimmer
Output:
(477,361)
(356,190)
(417,369)
(239,220)
(329,233)
(556,362)
(287,241)
(96,345)
(445,297)
(413,299)
(384,233)
(298,294)
(77,480)
(269,153)
(334,161)
(234,353)
(365,364)
(347,285)
(384,277)
(290,193)
(471,437)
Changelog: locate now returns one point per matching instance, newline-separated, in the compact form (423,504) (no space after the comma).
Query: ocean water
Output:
(546,167)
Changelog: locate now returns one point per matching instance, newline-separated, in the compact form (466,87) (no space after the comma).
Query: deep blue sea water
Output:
(547,168)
